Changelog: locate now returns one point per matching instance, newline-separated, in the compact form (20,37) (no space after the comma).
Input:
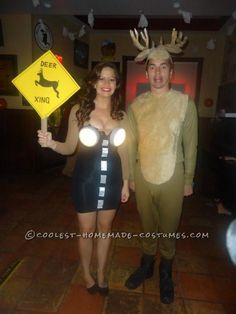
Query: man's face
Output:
(159,73)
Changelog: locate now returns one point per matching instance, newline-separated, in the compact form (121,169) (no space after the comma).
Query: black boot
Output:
(166,283)
(144,271)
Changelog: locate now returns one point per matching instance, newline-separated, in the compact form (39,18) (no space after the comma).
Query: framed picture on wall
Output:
(226,102)
(186,78)
(8,71)
(1,35)
(81,54)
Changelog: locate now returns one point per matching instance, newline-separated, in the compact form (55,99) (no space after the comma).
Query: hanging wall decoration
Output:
(81,53)
(43,36)
(108,50)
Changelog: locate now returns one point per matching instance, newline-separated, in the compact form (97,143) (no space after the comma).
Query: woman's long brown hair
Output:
(87,94)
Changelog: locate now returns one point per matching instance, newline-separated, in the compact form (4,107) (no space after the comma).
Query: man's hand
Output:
(188,190)
(125,191)
(124,194)
(132,186)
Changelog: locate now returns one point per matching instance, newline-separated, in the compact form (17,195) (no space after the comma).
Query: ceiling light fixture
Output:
(234,15)
(47,4)
(176,5)
(143,22)
(91,18)
(187,16)
(36,3)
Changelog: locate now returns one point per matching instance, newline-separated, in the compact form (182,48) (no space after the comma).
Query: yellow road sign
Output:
(46,84)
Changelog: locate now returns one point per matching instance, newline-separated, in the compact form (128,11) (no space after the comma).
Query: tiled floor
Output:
(43,275)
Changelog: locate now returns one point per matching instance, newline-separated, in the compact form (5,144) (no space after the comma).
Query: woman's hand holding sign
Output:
(45,139)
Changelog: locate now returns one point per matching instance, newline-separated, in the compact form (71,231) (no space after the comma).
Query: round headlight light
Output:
(117,136)
(89,136)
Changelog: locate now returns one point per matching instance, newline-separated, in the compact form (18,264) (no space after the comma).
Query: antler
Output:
(144,49)
(177,42)
(181,42)
(135,38)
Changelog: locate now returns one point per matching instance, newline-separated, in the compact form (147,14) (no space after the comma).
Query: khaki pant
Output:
(160,208)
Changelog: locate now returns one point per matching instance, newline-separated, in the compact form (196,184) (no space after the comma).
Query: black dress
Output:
(97,179)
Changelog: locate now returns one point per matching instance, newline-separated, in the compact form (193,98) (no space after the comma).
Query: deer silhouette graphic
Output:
(46,83)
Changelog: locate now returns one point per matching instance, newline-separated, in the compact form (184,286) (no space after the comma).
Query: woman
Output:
(100,178)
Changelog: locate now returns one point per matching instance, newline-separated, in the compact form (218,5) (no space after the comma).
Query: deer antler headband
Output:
(161,51)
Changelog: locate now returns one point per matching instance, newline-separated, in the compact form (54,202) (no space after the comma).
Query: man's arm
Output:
(132,144)
(190,138)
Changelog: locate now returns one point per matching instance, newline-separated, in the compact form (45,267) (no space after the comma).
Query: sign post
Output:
(46,85)
(44,124)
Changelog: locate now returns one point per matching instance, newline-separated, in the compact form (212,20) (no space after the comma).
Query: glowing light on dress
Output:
(117,136)
(231,240)
(89,136)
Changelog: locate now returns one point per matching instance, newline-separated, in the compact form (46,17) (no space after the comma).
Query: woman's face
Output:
(106,83)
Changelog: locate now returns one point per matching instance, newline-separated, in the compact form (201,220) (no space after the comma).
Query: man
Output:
(163,147)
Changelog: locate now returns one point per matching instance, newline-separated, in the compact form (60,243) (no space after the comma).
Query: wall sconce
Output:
(3,103)
(59,58)
(208,102)
(211,44)
(230,29)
